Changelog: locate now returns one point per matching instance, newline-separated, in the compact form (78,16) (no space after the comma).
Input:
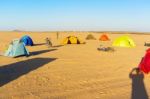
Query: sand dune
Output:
(71,71)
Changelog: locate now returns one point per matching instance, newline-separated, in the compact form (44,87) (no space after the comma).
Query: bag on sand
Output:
(145,63)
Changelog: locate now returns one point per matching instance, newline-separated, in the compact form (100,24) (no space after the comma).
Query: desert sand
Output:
(71,71)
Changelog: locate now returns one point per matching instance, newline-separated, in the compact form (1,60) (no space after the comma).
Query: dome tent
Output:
(16,48)
(90,37)
(27,40)
(124,41)
(104,37)
(72,40)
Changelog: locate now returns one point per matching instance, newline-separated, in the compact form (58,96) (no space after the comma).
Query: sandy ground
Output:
(71,71)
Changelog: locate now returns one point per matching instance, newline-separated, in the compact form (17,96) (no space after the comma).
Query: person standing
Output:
(57,35)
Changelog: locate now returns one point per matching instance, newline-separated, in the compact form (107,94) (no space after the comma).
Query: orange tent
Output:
(104,37)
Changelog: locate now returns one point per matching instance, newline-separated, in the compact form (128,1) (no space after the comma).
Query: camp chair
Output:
(106,49)
(48,42)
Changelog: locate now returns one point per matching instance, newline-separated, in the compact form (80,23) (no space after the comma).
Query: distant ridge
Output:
(102,32)
(17,31)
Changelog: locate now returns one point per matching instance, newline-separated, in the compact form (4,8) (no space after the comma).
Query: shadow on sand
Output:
(40,44)
(57,46)
(13,71)
(138,87)
(41,52)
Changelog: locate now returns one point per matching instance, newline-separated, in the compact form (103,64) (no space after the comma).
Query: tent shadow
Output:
(138,87)
(13,71)
(57,46)
(40,44)
(41,52)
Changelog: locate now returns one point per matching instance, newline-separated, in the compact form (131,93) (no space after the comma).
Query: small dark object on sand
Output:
(147,44)
(106,49)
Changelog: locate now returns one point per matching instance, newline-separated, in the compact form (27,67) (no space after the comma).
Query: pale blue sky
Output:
(47,15)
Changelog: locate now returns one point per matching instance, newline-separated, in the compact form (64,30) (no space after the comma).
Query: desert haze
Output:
(71,71)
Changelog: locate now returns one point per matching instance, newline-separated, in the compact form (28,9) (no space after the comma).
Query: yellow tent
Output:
(72,40)
(124,41)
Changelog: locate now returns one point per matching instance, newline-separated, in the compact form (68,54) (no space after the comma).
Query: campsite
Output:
(72,71)
(74,49)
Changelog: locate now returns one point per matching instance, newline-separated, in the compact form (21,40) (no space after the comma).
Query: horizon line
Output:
(123,31)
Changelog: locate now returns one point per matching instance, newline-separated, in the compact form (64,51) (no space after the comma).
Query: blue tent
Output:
(16,48)
(27,40)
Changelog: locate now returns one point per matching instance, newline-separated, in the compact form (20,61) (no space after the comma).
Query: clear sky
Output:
(46,15)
